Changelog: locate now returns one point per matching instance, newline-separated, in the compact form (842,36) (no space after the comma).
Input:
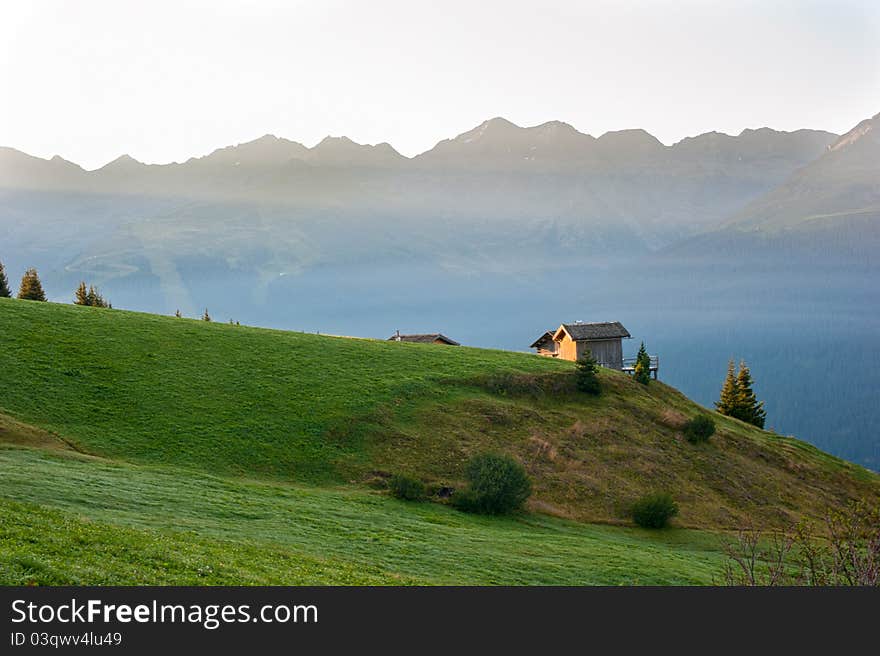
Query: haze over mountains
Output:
(498,198)
(760,245)
(540,196)
(830,207)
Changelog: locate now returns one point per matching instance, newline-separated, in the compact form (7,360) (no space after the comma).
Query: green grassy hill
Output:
(199,435)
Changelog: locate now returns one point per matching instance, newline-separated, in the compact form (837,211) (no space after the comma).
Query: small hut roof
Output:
(423,339)
(585,332)
(543,338)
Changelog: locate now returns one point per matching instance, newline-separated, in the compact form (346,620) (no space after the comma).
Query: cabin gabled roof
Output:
(543,338)
(424,339)
(587,332)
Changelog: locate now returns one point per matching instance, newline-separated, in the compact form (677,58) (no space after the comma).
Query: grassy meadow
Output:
(207,530)
(144,449)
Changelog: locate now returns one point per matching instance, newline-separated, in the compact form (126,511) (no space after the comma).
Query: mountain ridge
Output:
(492,126)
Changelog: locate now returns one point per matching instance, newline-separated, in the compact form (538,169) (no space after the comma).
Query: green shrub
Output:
(654,510)
(406,488)
(699,429)
(466,501)
(587,376)
(498,485)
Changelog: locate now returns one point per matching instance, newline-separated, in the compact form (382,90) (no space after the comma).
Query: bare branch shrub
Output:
(844,551)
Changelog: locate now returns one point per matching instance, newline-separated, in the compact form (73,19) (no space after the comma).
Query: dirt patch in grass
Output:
(20,434)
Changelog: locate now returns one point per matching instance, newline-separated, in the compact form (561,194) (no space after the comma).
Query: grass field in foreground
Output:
(84,520)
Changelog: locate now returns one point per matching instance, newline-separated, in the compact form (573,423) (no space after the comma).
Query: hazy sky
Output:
(163,81)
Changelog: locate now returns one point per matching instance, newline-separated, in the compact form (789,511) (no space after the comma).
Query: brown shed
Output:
(572,340)
(603,340)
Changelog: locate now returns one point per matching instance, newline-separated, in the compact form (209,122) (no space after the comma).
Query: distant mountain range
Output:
(831,206)
(496,198)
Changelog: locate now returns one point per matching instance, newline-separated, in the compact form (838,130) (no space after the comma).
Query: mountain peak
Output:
(866,128)
(500,142)
(122,162)
(265,150)
(494,127)
(342,150)
(623,141)
(60,162)
(556,127)
(500,123)
(334,142)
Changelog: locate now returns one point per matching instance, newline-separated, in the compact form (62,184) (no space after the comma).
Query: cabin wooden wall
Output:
(608,352)
(568,349)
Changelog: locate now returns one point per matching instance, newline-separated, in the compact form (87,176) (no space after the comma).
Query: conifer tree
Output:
(748,408)
(90,297)
(587,378)
(81,296)
(726,404)
(31,288)
(642,369)
(95,298)
(206,316)
(5,292)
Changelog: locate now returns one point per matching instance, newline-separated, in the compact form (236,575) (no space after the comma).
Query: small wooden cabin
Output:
(545,345)
(433,338)
(573,340)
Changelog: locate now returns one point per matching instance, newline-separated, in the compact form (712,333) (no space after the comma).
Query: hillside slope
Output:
(291,407)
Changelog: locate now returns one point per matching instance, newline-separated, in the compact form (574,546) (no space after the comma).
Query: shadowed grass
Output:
(323,535)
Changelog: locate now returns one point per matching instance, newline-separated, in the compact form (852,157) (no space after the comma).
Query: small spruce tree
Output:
(726,404)
(587,378)
(642,369)
(206,316)
(748,408)
(95,298)
(81,296)
(5,292)
(31,288)
(90,297)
